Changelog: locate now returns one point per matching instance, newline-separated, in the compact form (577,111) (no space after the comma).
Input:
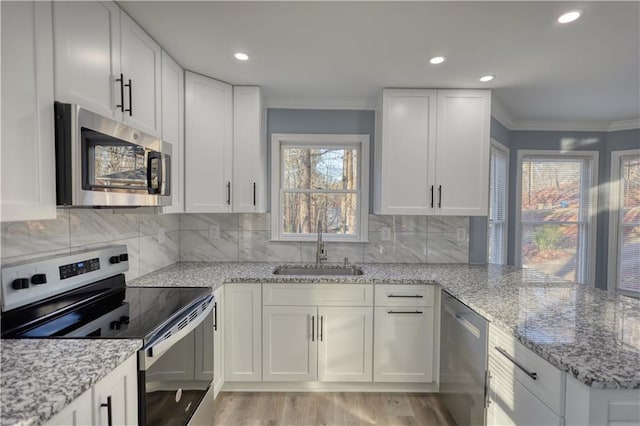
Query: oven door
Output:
(175,373)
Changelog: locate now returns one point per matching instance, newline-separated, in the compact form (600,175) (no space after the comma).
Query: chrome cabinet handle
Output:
(404,312)
(417,296)
(504,353)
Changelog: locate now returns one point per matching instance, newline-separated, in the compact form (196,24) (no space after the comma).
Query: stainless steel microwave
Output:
(101,162)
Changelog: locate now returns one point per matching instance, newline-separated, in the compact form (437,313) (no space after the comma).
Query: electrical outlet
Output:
(162,235)
(461,235)
(214,232)
(385,234)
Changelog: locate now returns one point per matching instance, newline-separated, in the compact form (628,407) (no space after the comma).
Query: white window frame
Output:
(593,203)
(500,147)
(613,262)
(279,140)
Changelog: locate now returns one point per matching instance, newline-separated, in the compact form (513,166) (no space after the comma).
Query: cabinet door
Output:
(28,157)
(512,403)
(204,350)
(249,151)
(403,344)
(218,341)
(290,344)
(141,67)
(346,344)
(407,151)
(208,144)
(243,333)
(78,413)
(173,127)
(87,52)
(463,144)
(120,389)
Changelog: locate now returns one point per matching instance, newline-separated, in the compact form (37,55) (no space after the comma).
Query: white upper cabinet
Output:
(407,151)
(249,151)
(208,144)
(427,138)
(105,62)
(28,157)
(141,65)
(173,127)
(462,152)
(87,52)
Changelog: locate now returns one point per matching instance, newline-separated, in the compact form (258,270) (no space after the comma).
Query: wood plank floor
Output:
(334,408)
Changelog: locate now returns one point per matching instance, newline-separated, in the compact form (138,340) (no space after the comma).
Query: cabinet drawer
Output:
(318,294)
(549,383)
(404,295)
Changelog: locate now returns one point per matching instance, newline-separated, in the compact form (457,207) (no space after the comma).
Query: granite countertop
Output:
(40,377)
(592,334)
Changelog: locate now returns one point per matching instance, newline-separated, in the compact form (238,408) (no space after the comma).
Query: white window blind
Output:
(556,214)
(628,223)
(498,186)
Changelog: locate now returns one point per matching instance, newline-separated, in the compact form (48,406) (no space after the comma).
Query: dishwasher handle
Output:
(459,317)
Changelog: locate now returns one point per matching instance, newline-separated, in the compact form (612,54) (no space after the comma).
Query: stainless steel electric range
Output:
(84,295)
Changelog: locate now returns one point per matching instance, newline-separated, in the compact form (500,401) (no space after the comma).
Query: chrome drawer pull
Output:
(404,312)
(504,353)
(417,296)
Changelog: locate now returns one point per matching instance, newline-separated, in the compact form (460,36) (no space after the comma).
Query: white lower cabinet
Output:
(345,350)
(290,344)
(116,393)
(218,341)
(403,344)
(243,333)
(304,342)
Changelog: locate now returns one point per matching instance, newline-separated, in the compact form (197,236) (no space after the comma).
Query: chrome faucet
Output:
(321,253)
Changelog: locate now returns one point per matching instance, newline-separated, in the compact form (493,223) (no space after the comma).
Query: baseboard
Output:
(327,387)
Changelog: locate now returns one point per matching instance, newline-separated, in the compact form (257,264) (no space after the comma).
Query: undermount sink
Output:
(317,270)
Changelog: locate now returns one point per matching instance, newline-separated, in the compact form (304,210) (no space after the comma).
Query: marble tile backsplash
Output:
(155,241)
(392,239)
(152,240)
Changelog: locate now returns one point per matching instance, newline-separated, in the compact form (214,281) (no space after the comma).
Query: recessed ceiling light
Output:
(437,60)
(486,78)
(569,16)
(241,56)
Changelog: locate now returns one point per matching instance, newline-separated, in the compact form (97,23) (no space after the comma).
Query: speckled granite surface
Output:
(40,377)
(591,334)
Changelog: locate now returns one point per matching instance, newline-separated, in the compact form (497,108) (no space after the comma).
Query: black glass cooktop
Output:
(106,309)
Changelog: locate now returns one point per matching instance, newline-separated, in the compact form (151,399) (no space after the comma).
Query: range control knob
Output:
(114,259)
(124,257)
(20,283)
(39,279)
(115,325)
(124,319)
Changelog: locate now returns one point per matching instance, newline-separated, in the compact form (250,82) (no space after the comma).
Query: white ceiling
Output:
(342,53)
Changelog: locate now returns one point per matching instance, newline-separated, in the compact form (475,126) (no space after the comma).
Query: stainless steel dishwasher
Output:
(463,361)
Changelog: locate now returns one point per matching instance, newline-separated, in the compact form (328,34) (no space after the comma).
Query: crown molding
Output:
(315,103)
(625,125)
(500,113)
(574,126)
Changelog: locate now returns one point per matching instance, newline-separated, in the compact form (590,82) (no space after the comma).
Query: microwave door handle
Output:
(154,157)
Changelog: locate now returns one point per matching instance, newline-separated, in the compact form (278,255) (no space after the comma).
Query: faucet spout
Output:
(321,254)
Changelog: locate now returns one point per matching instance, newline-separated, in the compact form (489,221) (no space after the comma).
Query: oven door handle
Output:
(157,347)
